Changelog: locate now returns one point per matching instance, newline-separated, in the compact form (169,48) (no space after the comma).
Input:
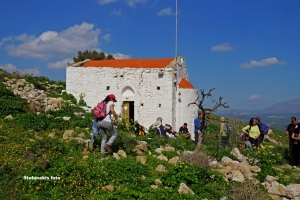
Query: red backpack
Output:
(100,110)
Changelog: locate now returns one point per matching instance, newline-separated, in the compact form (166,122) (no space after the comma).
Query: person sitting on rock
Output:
(184,130)
(159,128)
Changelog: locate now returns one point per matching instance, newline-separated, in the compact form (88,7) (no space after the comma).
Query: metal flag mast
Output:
(177,68)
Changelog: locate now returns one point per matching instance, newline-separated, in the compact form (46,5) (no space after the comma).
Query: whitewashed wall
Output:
(185,113)
(138,85)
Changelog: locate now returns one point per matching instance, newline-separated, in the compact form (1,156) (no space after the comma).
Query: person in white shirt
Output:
(106,125)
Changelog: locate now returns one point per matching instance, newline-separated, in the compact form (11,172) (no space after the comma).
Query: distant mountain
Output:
(286,107)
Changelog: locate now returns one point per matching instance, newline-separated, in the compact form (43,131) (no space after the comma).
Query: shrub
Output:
(69,97)
(246,190)
(11,104)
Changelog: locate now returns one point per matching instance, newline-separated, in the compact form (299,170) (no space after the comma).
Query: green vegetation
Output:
(31,145)
(94,55)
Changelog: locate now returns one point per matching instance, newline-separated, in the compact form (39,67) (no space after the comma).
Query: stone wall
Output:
(38,100)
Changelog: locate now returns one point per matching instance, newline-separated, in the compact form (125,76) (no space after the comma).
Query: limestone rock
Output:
(162,157)
(159,150)
(141,159)
(183,188)
(173,161)
(237,176)
(140,148)
(122,153)
(108,188)
(161,168)
(255,169)
(68,134)
(116,156)
(271,179)
(292,191)
(277,189)
(157,182)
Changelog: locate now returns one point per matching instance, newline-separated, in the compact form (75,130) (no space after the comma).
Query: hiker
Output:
(184,130)
(139,130)
(289,131)
(261,126)
(253,131)
(95,130)
(197,125)
(169,131)
(296,145)
(222,133)
(160,130)
(106,125)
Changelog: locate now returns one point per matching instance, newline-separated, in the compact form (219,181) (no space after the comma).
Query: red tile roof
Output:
(183,83)
(131,63)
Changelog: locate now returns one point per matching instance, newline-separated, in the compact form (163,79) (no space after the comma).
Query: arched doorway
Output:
(128,98)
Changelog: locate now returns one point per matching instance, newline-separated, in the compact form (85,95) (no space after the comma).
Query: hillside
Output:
(45,153)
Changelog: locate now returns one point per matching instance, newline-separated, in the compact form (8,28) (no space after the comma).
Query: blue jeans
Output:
(95,130)
(104,126)
(249,145)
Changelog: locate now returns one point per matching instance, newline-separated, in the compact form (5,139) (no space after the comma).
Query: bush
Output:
(11,104)
(246,190)
(69,97)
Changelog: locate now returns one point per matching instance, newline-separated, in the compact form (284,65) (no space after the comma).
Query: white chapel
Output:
(144,88)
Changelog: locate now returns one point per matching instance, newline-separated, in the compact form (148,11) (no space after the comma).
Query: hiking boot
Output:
(108,148)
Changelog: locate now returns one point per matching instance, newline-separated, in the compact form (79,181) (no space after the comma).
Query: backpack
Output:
(263,128)
(100,110)
(228,128)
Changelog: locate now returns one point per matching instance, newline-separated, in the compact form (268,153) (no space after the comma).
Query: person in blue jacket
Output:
(197,125)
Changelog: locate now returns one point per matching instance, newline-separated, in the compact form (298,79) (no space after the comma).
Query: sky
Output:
(249,51)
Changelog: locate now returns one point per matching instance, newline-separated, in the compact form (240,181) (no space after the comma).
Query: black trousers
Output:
(224,141)
(252,141)
(296,155)
(291,145)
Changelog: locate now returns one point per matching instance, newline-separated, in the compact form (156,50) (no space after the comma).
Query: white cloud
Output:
(165,11)
(222,47)
(106,1)
(132,3)
(254,97)
(9,67)
(52,43)
(106,37)
(262,63)
(12,68)
(60,64)
(116,12)
(120,56)
(4,40)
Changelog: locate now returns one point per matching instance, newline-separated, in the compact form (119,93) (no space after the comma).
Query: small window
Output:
(121,76)
(107,87)
(158,88)
(159,105)
(142,104)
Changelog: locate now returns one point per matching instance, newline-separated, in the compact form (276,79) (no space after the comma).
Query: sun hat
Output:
(222,119)
(157,124)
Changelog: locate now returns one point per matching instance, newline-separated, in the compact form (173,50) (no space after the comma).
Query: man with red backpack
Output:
(264,130)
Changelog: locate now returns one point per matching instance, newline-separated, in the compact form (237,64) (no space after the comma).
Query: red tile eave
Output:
(185,84)
(130,63)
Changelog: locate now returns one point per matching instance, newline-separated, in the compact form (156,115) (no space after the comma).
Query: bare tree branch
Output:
(205,111)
